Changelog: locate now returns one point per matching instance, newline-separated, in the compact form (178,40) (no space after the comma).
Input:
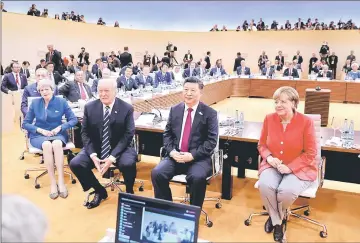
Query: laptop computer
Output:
(142,219)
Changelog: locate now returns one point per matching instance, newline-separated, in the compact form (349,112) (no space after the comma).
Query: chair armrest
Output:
(321,172)
(161,153)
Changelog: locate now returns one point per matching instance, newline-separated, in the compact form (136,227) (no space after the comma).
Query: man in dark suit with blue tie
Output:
(107,132)
(144,78)
(291,71)
(218,70)
(127,81)
(190,71)
(268,70)
(190,137)
(163,76)
(96,68)
(13,81)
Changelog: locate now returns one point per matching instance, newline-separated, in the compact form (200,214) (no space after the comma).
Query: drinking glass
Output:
(335,124)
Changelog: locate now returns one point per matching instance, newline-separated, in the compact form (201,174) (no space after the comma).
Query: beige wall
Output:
(25,38)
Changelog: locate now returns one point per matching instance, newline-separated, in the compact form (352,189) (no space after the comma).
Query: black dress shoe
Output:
(98,197)
(278,233)
(268,226)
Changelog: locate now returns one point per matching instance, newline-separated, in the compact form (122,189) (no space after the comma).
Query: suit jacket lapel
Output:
(114,111)
(197,118)
(179,116)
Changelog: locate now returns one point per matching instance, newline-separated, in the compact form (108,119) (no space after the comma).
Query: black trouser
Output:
(333,69)
(196,174)
(82,166)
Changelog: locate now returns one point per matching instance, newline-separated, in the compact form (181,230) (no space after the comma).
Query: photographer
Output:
(33,11)
(45,14)
(83,56)
(101,22)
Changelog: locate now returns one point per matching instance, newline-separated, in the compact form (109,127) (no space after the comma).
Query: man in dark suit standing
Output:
(190,137)
(333,61)
(84,56)
(125,57)
(188,58)
(25,69)
(76,90)
(55,57)
(291,71)
(298,57)
(237,61)
(207,60)
(280,58)
(147,59)
(13,81)
(107,132)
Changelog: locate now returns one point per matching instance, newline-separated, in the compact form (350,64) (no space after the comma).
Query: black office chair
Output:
(115,178)
(217,160)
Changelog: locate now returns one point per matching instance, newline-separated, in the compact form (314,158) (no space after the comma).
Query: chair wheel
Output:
(247,222)
(306,212)
(141,189)
(218,205)
(209,224)
(73,181)
(264,208)
(323,234)
(21,157)
(27,176)
(37,186)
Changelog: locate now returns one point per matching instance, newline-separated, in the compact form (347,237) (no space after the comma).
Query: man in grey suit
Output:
(144,78)
(190,137)
(201,70)
(77,89)
(243,69)
(127,80)
(268,70)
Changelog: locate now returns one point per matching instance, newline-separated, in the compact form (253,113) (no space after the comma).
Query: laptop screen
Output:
(142,219)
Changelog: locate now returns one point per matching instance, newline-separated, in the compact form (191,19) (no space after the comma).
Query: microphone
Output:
(157,119)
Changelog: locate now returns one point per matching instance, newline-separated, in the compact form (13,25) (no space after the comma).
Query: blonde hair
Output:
(44,83)
(291,93)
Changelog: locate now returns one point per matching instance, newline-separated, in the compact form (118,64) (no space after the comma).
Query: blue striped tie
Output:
(105,145)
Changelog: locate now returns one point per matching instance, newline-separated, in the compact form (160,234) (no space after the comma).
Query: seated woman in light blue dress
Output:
(49,133)
(354,73)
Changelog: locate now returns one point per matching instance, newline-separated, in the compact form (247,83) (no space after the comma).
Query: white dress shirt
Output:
(184,119)
(111,106)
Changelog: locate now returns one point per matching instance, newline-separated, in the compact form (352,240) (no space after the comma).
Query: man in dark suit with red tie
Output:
(55,57)
(190,137)
(13,81)
(107,131)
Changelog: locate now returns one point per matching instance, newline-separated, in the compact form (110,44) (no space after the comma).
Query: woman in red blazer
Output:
(288,147)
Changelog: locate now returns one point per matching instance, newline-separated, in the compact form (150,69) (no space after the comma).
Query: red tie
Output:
(82,92)
(186,133)
(17,79)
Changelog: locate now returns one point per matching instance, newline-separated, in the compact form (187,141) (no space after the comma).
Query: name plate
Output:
(244,76)
(322,79)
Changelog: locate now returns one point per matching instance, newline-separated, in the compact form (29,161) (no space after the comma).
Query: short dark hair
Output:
(83,48)
(49,63)
(83,64)
(42,60)
(194,80)
(12,64)
(126,48)
(98,59)
(208,52)
(25,62)
(239,54)
(164,64)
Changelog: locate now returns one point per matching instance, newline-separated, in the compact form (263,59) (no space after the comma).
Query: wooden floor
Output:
(71,222)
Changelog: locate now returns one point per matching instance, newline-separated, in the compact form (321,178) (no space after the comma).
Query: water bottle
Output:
(344,134)
(351,135)
(242,120)
(237,120)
